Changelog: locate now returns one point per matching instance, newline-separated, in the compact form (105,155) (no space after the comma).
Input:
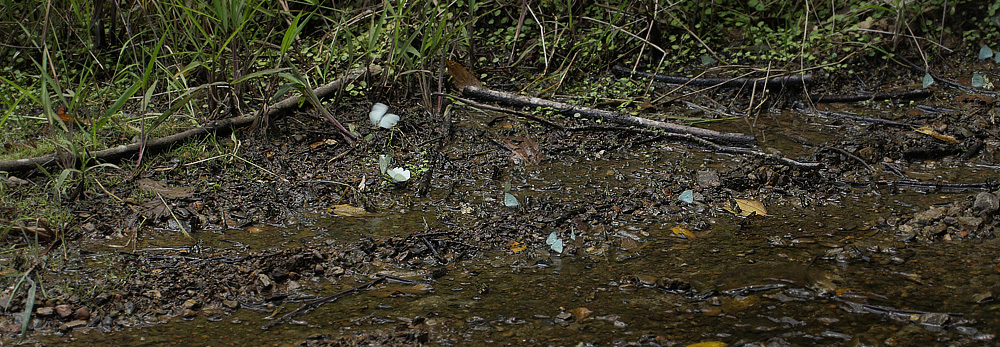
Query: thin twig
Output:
(803,108)
(179,224)
(770,82)
(904,95)
(478,105)
(311,305)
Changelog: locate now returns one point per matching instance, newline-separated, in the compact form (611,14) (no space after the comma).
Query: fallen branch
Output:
(750,152)
(829,114)
(471,87)
(117,153)
(313,304)
(930,185)
(474,104)
(706,143)
(895,96)
(39,232)
(768,82)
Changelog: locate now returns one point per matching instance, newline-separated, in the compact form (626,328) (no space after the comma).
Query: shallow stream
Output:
(816,271)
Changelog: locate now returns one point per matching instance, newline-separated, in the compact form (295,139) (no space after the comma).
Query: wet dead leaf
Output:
(709,344)
(348,210)
(327,142)
(975,98)
(681,232)
(70,117)
(523,150)
(928,130)
(514,247)
(580,313)
(460,76)
(165,190)
(629,243)
(746,207)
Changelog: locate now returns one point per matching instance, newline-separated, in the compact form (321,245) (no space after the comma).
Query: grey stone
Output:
(986,203)
(707,178)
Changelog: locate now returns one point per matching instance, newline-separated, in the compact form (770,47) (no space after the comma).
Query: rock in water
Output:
(986,203)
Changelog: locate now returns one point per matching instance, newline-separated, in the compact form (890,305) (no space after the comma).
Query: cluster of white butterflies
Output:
(381,118)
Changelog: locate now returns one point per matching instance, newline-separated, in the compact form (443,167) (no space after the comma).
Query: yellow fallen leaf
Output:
(842,291)
(927,130)
(348,210)
(514,247)
(745,207)
(709,344)
(683,232)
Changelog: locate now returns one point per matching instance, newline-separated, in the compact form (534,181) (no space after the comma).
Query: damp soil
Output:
(618,237)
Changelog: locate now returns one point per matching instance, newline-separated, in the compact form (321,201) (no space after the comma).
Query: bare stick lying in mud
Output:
(900,96)
(929,185)
(769,82)
(736,150)
(805,109)
(310,305)
(471,87)
(706,143)
(116,153)
(474,104)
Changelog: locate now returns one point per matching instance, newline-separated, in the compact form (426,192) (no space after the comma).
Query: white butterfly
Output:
(380,118)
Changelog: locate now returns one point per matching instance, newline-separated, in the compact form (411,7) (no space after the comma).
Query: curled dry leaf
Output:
(928,130)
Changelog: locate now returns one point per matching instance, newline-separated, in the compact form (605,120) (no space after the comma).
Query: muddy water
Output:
(822,276)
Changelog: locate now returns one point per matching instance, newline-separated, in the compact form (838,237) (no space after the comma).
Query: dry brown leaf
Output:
(523,150)
(677,230)
(328,142)
(927,130)
(975,98)
(514,247)
(460,76)
(167,191)
(580,313)
(746,207)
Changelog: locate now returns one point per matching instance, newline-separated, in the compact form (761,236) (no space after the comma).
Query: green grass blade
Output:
(29,306)
(258,74)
